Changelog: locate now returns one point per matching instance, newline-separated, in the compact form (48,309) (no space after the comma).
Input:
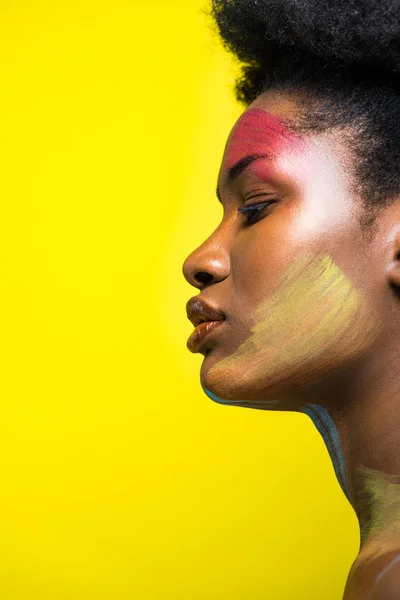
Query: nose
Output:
(208,264)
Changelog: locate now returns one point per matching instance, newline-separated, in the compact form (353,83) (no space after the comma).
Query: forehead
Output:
(257,131)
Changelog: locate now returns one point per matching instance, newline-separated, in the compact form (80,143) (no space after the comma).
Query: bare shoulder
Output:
(376,578)
(387,582)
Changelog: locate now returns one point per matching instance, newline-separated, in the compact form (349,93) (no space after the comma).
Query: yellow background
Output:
(119,478)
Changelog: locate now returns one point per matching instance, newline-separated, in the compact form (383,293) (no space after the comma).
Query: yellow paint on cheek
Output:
(315,320)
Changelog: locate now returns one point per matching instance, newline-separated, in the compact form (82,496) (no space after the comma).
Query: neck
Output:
(327,428)
(362,435)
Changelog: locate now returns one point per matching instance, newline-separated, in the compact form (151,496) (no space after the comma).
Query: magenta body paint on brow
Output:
(258,132)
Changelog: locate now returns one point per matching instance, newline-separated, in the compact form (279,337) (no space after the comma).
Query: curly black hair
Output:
(342,57)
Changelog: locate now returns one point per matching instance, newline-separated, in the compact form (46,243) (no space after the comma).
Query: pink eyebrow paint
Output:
(258,132)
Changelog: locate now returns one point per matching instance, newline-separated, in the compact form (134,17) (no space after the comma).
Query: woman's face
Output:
(299,286)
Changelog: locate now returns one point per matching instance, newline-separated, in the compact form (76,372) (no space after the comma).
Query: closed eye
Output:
(254,212)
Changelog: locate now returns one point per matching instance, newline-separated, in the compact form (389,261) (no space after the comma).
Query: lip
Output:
(205,318)
(200,333)
(199,311)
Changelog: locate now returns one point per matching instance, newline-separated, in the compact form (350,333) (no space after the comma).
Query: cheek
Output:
(262,253)
(265,250)
(314,321)
(324,203)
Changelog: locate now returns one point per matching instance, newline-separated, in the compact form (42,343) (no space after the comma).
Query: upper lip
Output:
(198,311)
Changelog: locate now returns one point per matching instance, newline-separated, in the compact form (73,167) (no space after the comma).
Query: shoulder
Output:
(375,575)
(387,582)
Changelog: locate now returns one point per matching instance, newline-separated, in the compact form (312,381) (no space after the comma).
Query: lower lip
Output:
(198,336)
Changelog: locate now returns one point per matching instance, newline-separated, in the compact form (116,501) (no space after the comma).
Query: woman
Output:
(299,286)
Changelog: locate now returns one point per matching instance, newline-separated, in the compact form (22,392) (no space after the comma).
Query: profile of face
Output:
(299,286)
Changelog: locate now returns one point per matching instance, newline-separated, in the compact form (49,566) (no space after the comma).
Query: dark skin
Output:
(312,311)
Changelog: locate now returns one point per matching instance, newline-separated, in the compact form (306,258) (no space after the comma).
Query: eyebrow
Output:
(240,166)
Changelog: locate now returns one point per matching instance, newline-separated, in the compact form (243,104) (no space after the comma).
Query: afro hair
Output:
(342,57)
(282,39)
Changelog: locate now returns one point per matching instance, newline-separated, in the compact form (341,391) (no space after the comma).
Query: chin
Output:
(274,391)
(237,391)
(214,381)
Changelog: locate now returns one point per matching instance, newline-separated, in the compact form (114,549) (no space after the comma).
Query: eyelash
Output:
(252,211)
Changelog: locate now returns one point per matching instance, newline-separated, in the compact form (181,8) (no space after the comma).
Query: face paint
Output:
(381,496)
(257,132)
(326,427)
(314,319)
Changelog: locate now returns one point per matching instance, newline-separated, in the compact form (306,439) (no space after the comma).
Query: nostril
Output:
(203,277)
